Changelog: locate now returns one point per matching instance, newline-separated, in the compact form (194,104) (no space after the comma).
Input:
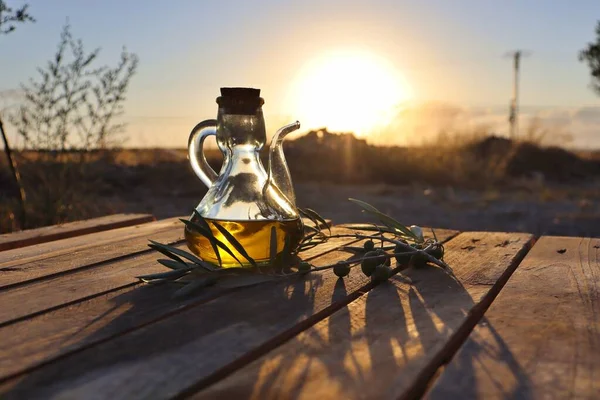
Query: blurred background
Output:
(467,115)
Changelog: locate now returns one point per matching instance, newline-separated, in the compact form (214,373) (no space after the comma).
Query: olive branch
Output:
(407,244)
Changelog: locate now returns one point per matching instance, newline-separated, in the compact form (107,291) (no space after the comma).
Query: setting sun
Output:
(347,91)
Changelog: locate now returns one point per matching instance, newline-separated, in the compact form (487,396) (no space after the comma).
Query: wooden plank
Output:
(23,265)
(37,340)
(541,336)
(174,352)
(50,233)
(379,345)
(28,254)
(42,296)
(308,222)
(67,328)
(31,253)
(61,290)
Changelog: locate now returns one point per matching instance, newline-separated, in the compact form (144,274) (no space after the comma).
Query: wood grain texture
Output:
(540,339)
(64,289)
(19,266)
(308,222)
(50,233)
(28,264)
(42,296)
(380,345)
(39,339)
(160,352)
(61,290)
(216,334)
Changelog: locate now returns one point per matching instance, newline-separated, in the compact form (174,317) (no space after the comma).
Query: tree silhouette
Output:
(70,108)
(591,55)
(73,104)
(10,16)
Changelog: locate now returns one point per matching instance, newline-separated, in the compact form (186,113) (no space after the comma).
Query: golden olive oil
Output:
(254,236)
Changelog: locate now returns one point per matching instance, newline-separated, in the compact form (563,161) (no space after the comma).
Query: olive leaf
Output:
(318,237)
(238,246)
(193,286)
(307,246)
(178,273)
(211,238)
(201,227)
(368,228)
(174,251)
(169,263)
(312,228)
(310,217)
(385,219)
(434,235)
(202,222)
(194,273)
(163,248)
(361,249)
(308,237)
(316,218)
(198,228)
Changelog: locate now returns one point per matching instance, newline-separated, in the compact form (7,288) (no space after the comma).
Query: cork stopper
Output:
(240,100)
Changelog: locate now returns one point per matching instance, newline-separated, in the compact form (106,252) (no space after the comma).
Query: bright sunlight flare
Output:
(347,92)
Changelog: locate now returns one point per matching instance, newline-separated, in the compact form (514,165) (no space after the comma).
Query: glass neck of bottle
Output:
(245,130)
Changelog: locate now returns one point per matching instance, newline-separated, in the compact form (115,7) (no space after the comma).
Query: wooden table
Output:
(516,320)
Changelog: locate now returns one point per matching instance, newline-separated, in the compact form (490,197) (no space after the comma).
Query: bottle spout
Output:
(279,173)
(281,134)
(284,130)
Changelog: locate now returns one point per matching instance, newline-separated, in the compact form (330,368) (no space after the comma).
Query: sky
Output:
(447,55)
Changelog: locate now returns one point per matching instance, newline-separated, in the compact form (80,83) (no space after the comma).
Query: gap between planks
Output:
(50,260)
(85,283)
(432,369)
(246,359)
(303,367)
(26,255)
(183,316)
(97,264)
(46,262)
(34,321)
(540,338)
(71,229)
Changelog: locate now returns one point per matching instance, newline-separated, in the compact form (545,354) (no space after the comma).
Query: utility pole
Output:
(513,116)
(513,113)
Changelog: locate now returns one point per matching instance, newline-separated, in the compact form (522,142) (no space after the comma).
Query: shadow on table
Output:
(439,301)
(460,377)
(375,347)
(144,325)
(375,342)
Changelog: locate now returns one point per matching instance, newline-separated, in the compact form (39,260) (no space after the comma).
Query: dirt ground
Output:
(491,185)
(529,207)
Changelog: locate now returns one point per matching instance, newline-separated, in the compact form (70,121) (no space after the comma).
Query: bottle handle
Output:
(195,153)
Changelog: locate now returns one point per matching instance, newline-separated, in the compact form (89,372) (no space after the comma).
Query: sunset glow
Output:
(347,92)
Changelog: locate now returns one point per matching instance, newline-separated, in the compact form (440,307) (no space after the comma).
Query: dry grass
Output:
(134,180)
